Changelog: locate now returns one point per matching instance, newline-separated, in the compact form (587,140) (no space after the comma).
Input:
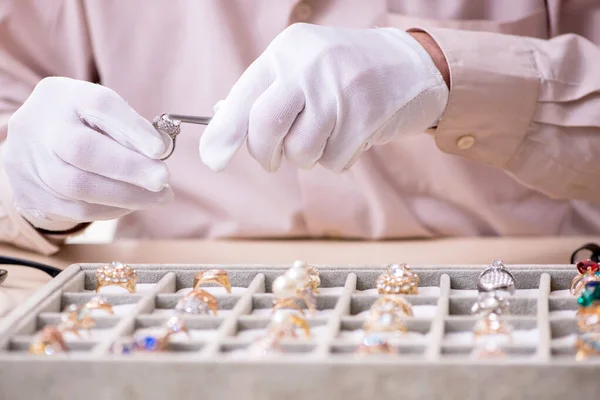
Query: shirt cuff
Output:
(493,95)
(16,230)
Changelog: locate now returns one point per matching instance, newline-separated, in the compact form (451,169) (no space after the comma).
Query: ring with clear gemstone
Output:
(496,277)
(116,274)
(388,314)
(398,279)
(198,302)
(49,341)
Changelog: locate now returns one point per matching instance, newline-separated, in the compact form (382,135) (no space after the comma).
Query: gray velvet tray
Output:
(433,359)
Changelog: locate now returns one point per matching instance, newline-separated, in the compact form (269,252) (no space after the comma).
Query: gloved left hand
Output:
(325,95)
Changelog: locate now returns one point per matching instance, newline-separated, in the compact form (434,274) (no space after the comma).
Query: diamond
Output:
(373,340)
(192,305)
(117,265)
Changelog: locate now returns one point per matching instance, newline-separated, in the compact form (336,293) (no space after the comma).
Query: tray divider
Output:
(14,322)
(127,323)
(433,351)
(229,325)
(543,351)
(342,307)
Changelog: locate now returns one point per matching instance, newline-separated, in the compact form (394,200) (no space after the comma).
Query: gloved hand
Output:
(77,152)
(325,95)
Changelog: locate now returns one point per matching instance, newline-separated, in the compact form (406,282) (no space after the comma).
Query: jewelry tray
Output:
(433,359)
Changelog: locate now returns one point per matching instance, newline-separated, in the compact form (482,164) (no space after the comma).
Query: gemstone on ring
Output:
(388,314)
(49,341)
(496,277)
(398,279)
(116,274)
(199,302)
(375,344)
(166,125)
(496,302)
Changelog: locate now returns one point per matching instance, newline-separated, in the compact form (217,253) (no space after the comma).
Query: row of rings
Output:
(294,291)
(586,285)
(50,340)
(386,316)
(495,286)
(197,301)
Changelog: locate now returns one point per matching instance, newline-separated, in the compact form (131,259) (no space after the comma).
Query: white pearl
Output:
(299,264)
(282,316)
(298,274)
(284,287)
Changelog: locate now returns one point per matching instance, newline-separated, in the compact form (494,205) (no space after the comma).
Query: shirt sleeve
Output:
(37,39)
(528,106)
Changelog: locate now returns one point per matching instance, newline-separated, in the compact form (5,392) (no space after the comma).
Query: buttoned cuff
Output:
(493,95)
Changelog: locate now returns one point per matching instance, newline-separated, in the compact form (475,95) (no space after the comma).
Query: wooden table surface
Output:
(23,281)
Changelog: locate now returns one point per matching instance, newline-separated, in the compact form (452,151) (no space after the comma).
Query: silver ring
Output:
(170,127)
(496,277)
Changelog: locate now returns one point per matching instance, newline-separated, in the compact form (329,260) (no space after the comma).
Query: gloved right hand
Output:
(77,152)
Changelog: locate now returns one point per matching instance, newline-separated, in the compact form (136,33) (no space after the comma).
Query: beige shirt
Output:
(514,154)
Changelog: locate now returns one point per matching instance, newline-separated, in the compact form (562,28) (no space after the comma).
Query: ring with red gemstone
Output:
(588,271)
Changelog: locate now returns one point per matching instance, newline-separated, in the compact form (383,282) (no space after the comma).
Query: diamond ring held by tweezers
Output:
(170,125)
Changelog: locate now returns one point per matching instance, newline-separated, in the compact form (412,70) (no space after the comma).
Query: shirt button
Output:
(302,12)
(465,142)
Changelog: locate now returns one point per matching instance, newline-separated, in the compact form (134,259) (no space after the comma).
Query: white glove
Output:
(77,152)
(324,95)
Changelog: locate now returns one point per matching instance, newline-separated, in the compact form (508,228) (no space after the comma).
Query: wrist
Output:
(435,52)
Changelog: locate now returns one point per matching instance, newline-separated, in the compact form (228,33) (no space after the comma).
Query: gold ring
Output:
(388,314)
(198,301)
(304,275)
(398,279)
(374,344)
(99,303)
(315,278)
(76,318)
(588,314)
(217,276)
(48,341)
(491,324)
(284,323)
(286,291)
(176,325)
(160,343)
(587,344)
(495,302)
(588,271)
(116,274)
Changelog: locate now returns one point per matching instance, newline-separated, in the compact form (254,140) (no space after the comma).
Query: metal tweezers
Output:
(170,124)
